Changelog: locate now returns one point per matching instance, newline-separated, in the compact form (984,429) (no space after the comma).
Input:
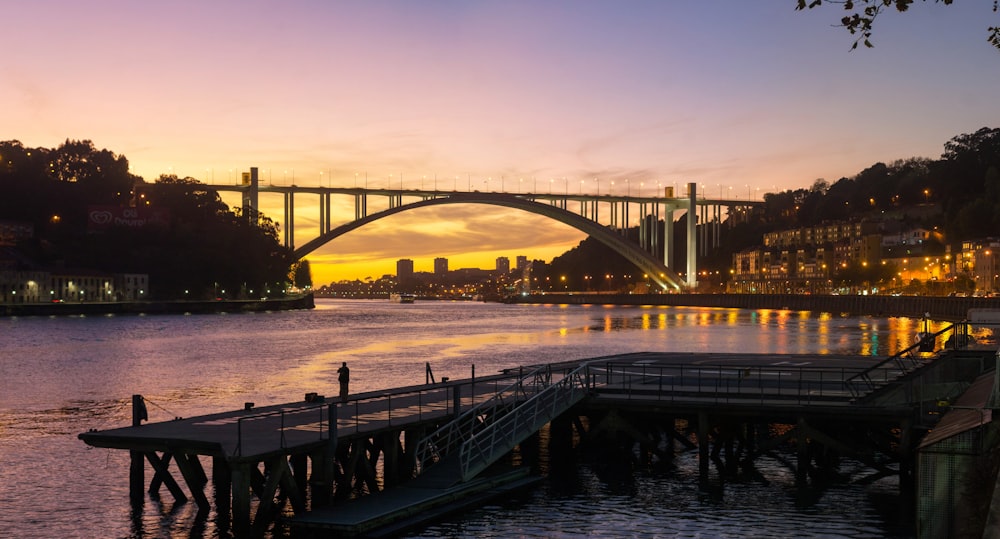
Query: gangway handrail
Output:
(501,435)
(448,438)
(896,358)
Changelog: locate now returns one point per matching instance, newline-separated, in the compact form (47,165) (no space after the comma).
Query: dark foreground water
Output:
(62,376)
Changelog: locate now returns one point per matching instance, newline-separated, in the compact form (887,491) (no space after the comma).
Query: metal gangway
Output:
(906,360)
(480,436)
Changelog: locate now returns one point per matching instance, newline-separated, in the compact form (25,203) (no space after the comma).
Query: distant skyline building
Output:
(440,266)
(404,269)
(522,262)
(503,264)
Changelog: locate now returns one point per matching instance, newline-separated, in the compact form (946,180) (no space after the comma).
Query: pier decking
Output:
(446,434)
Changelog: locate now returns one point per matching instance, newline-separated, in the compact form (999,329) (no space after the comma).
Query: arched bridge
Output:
(610,230)
(657,271)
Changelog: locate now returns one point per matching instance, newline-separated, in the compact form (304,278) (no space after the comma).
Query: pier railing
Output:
(723,384)
(287,424)
(291,426)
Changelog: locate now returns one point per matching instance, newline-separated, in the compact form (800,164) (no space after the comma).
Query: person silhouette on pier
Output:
(344,376)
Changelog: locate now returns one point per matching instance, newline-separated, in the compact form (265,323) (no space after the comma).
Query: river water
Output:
(60,376)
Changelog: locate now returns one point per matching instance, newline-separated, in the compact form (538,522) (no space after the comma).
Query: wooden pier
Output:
(445,441)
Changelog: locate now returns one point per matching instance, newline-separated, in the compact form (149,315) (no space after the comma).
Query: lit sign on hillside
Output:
(104,217)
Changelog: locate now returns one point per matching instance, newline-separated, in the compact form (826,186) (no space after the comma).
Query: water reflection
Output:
(784,331)
(62,376)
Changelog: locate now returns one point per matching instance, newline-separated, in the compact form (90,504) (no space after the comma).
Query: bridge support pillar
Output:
(692,236)
(251,196)
(668,236)
(290,220)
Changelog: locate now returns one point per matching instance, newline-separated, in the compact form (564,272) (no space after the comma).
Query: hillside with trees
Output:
(957,194)
(197,246)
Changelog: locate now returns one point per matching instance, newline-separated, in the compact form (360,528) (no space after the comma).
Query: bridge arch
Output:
(650,265)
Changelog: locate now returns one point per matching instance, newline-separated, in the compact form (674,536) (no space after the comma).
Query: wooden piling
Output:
(802,445)
(241,499)
(137,465)
(703,446)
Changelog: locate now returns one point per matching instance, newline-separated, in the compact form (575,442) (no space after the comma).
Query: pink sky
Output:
(728,94)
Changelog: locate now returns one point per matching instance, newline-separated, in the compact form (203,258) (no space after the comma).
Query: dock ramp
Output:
(466,446)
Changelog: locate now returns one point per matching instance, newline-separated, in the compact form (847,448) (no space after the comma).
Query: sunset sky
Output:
(743,97)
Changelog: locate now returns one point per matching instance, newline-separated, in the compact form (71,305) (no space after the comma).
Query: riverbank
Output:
(159,307)
(938,308)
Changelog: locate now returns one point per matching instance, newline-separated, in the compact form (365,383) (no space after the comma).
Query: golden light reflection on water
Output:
(790,331)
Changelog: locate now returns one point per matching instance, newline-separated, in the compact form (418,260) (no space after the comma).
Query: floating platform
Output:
(408,506)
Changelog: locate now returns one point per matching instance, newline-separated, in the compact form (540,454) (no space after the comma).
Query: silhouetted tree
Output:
(863,13)
(201,247)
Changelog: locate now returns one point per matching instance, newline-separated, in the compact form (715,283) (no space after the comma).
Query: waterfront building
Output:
(130,287)
(34,286)
(986,265)
(440,266)
(503,265)
(404,269)
(804,260)
(18,287)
